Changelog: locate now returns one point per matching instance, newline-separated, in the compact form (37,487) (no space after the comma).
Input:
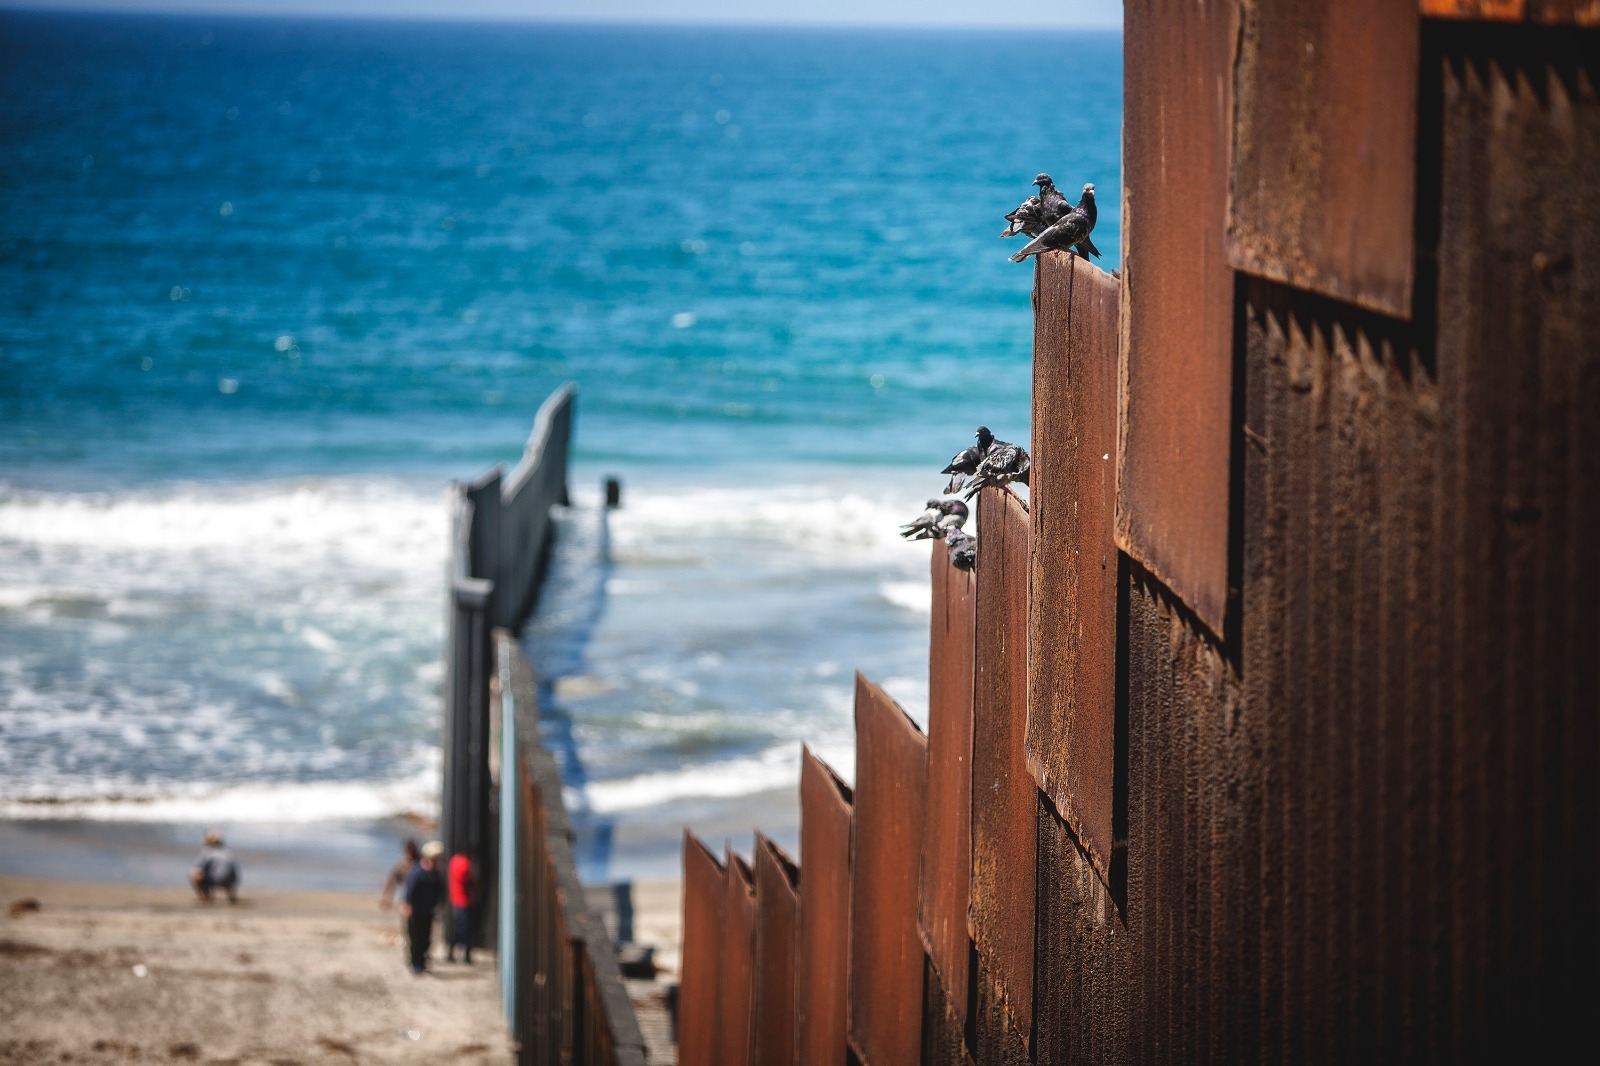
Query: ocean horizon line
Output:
(263,14)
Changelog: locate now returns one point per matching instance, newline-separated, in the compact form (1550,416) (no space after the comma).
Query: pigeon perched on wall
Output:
(965,462)
(963,549)
(1071,231)
(1005,463)
(1035,214)
(941,515)
(1086,247)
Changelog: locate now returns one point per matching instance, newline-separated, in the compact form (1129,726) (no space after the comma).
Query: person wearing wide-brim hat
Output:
(419,899)
(215,868)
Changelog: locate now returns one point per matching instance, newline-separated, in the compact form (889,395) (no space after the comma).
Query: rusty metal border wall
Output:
(1313,711)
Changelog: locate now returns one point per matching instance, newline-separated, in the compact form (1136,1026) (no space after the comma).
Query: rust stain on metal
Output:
(822,992)
(1072,632)
(772,1039)
(1548,12)
(886,959)
(1004,797)
(1324,148)
(700,965)
(737,978)
(1177,297)
(947,851)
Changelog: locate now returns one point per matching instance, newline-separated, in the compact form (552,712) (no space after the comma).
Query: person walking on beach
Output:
(419,898)
(409,855)
(215,868)
(464,900)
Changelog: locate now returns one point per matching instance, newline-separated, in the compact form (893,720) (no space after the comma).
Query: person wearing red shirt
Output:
(463,884)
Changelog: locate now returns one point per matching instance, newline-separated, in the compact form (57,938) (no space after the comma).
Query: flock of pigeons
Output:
(988,462)
(1053,221)
(1055,224)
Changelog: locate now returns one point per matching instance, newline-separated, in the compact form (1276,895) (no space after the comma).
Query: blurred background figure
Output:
(215,868)
(463,881)
(419,900)
(409,854)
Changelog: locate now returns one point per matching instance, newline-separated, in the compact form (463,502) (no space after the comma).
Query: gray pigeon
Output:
(1071,230)
(963,549)
(931,523)
(1086,247)
(1035,214)
(965,462)
(1005,463)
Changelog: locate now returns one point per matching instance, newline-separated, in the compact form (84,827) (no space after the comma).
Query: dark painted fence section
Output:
(501,534)
(565,1001)
(561,988)
(1312,688)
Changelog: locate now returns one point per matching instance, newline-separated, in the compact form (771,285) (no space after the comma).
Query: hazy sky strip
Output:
(1106,14)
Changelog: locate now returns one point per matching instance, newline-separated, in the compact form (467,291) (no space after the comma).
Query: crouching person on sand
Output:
(419,899)
(215,868)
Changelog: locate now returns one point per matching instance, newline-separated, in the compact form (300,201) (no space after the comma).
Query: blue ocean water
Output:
(265,285)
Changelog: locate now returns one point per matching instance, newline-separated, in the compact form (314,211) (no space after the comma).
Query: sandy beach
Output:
(107,973)
(119,963)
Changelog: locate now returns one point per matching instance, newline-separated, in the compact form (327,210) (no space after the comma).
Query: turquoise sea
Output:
(267,285)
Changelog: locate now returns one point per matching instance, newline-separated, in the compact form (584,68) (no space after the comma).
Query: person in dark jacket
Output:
(419,899)
(215,868)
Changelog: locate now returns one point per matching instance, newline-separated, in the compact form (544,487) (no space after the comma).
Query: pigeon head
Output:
(933,504)
(985,438)
(1043,180)
(1088,191)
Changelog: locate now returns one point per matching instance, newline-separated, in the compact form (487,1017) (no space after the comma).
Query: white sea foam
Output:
(915,596)
(776,767)
(301,803)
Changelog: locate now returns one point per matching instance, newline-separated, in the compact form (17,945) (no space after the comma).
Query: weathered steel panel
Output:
(1078,937)
(886,959)
(1519,373)
(947,850)
(943,1034)
(772,1038)
(822,993)
(700,964)
(1548,12)
(1072,630)
(737,976)
(1324,148)
(1177,297)
(1004,796)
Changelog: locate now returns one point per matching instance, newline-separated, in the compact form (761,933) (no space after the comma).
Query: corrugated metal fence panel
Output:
(737,977)
(772,1039)
(1324,148)
(1548,12)
(826,820)
(947,851)
(1177,311)
(886,959)
(1519,376)
(1072,630)
(700,964)
(1004,796)
(1079,933)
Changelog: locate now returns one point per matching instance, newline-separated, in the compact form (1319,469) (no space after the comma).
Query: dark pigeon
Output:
(1072,231)
(965,462)
(963,549)
(1086,246)
(1005,463)
(931,523)
(1035,214)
